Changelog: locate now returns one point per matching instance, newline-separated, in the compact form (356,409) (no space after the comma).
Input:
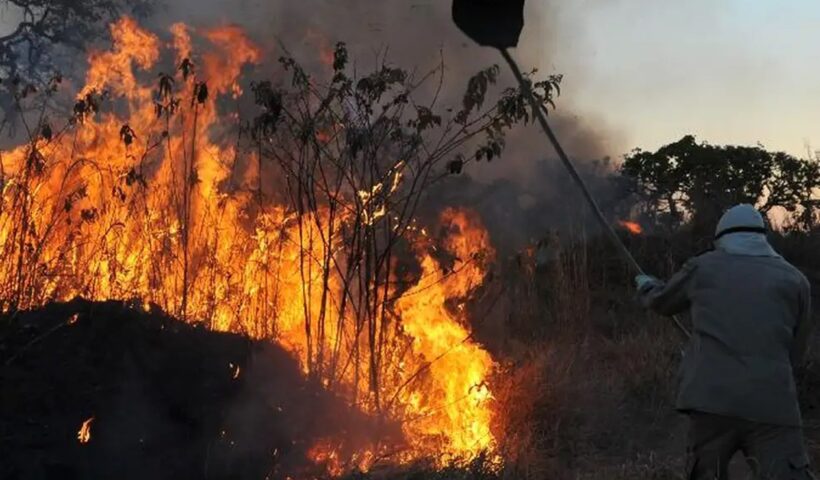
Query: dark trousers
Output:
(774,452)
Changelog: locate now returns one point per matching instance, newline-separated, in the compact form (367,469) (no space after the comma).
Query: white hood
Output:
(746,243)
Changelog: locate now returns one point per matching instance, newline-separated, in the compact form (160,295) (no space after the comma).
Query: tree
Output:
(357,157)
(46,24)
(687,180)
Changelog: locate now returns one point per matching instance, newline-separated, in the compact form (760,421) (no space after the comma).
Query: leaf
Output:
(456,166)
(166,85)
(476,92)
(200,94)
(426,119)
(340,57)
(45,132)
(127,135)
(186,67)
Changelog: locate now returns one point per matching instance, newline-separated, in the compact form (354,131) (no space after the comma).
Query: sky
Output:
(728,71)
(646,72)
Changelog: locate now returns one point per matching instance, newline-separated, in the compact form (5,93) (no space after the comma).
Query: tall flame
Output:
(458,399)
(143,204)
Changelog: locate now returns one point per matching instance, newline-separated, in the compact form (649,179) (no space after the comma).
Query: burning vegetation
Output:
(225,262)
(284,210)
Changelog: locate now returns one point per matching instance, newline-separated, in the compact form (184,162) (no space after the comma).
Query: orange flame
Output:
(104,233)
(458,400)
(633,227)
(84,434)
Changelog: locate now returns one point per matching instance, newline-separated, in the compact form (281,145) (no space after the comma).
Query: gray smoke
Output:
(419,35)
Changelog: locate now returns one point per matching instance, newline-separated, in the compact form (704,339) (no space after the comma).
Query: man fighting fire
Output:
(751,318)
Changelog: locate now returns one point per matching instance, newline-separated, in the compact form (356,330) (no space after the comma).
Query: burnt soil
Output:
(165,397)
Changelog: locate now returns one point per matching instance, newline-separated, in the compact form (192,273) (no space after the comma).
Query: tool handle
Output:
(542,120)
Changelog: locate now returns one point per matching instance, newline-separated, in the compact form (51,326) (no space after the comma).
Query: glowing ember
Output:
(84,434)
(633,227)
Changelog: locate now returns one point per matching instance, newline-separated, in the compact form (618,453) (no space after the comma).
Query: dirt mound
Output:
(168,400)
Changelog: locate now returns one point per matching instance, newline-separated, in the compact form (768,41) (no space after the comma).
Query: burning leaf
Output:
(186,67)
(84,434)
(80,109)
(200,93)
(73,319)
(36,161)
(166,85)
(127,135)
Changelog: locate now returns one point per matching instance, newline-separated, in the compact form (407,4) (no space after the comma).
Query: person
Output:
(751,321)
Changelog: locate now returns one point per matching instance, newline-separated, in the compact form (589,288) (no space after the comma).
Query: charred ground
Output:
(168,399)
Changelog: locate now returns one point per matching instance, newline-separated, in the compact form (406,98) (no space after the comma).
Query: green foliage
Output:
(699,180)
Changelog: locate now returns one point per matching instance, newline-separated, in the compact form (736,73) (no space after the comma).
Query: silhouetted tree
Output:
(26,50)
(688,180)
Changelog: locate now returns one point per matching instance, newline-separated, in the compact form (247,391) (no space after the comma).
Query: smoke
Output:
(522,192)
(419,36)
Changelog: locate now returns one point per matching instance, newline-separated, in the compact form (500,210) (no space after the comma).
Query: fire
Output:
(633,227)
(148,202)
(458,401)
(84,434)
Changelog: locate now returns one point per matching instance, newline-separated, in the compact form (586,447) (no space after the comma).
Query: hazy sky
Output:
(646,72)
(729,71)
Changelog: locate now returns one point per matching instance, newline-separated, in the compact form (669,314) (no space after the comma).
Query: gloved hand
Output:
(645,283)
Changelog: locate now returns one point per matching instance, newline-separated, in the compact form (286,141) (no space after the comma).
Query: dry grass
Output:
(588,389)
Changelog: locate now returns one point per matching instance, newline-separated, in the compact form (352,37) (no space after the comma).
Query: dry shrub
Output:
(576,394)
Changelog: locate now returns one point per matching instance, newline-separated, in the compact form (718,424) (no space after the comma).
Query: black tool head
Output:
(490,23)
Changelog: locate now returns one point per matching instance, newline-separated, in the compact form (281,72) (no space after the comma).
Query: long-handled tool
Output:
(498,24)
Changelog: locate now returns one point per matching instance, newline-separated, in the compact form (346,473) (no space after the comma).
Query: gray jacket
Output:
(751,319)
